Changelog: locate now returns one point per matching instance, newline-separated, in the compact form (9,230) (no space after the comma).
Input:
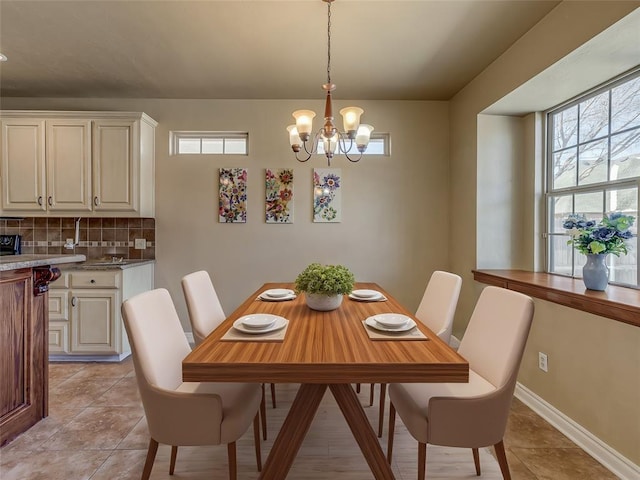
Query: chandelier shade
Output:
(334,141)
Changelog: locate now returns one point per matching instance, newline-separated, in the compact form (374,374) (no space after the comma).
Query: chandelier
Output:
(333,140)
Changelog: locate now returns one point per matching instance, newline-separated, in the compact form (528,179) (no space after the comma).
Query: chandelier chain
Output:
(329,42)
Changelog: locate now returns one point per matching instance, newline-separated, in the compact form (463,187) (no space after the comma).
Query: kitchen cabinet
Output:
(85,322)
(77,163)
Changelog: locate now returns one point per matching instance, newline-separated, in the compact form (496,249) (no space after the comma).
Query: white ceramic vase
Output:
(322,302)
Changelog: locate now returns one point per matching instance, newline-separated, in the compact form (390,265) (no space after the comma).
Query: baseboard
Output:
(619,465)
(88,358)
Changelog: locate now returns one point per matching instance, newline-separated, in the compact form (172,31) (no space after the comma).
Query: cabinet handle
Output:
(96,202)
(50,201)
(40,200)
(73,301)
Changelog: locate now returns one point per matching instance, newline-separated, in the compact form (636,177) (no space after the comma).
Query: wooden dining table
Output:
(323,350)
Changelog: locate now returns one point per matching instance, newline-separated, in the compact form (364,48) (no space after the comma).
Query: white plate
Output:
(277,293)
(391,320)
(366,293)
(279,323)
(379,296)
(258,321)
(262,296)
(371,322)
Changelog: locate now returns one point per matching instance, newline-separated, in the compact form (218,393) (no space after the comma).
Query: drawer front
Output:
(58,337)
(58,305)
(95,279)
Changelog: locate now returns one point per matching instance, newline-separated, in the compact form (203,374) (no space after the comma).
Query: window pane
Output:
(564,168)
(189,145)
(559,209)
(375,147)
(560,257)
(592,165)
(212,145)
(625,105)
(624,200)
(594,117)
(591,205)
(565,128)
(235,146)
(625,155)
(624,269)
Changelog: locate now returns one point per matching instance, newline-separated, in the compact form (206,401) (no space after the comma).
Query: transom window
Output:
(593,169)
(379,144)
(209,143)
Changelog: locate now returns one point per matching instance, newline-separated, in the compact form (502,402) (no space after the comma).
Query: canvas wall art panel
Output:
(232,203)
(327,195)
(279,195)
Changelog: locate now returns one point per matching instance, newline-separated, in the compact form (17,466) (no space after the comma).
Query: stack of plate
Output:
(366,295)
(390,322)
(259,323)
(277,295)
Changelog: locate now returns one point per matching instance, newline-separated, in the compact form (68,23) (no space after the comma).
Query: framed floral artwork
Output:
(327,195)
(279,195)
(232,203)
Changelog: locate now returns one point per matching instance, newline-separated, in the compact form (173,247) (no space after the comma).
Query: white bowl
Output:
(391,320)
(258,321)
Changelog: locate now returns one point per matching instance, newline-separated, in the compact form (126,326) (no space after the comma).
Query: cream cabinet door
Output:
(69,165)
(115,165)
(93,321)
(23,165)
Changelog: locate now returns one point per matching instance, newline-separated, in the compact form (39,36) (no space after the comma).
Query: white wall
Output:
(395,215)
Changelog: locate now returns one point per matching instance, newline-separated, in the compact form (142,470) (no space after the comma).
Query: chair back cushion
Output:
(438,305)
(205,311)
(157,340)
(496,335)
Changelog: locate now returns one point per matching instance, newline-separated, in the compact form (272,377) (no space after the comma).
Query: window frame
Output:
(602,187)
(176,135)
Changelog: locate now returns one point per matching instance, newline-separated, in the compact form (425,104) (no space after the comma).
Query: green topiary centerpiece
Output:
(324,285)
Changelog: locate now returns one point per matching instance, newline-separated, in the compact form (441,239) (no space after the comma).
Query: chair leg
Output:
(476,460)
(392,428)
(256,440)
(263,414)
(151,456)
(231,454)
(273,395)
(357,388)
(383,393)
(174,454)
(371,394)
(422,460)
(502,460)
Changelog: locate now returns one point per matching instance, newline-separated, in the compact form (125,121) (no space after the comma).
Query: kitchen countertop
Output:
(16,262)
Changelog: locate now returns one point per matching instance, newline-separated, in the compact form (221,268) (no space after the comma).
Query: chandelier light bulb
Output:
(304,123)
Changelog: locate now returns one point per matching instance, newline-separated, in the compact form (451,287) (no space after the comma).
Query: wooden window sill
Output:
(619,303)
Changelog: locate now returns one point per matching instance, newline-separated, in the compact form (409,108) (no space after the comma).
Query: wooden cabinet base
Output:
(23,354)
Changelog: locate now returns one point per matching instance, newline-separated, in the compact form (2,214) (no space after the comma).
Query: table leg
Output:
(295,427)
(362,430)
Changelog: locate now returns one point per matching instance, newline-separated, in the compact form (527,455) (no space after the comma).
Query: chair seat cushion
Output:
(240,402)
(411,400)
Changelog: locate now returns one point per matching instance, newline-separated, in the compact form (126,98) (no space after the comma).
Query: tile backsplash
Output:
(98,237)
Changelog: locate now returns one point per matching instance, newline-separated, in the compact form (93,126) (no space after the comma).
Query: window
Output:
(593,168)
(379,144)
(209,143)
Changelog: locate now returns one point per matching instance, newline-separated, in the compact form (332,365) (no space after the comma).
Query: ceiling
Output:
(263,49)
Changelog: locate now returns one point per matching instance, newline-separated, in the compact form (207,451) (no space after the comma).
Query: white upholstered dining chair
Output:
(474,414)
(436,311)
(177,412)
(205,314)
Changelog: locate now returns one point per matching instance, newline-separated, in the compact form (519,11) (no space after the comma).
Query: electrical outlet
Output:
(140,243)
(543,362)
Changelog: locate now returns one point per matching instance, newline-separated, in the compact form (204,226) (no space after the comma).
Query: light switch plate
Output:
(140,244)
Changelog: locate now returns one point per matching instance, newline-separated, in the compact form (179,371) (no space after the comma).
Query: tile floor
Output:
(96,430)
